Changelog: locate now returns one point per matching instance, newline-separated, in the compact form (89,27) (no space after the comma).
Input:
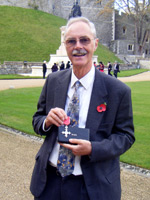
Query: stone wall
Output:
(122,47)
(124,26)
(90,10)
(123,67)
(145,63)
(10,67)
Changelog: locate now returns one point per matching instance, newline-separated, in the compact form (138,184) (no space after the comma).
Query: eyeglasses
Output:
(83,40)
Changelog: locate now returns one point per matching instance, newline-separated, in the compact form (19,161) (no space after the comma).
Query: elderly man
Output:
(83,168)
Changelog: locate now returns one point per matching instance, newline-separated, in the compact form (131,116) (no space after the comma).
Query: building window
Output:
(130,47)
(124,30)
(146,51)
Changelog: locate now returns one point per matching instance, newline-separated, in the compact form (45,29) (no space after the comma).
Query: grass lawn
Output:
(32,35)
(122,74)
(131,72)
(17,76)
(18,105)
(139,154)
(27,34)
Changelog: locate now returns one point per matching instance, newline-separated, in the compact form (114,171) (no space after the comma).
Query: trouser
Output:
(44,73)
(115,73)
(67,188)
(109,73)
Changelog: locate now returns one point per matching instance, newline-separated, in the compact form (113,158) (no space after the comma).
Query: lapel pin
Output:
(102,107)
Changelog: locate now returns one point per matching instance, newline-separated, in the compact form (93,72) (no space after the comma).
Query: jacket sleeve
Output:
(120,133)
(41,113)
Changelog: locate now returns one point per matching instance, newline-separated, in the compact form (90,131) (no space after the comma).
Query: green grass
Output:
(17,107)
(139,154)
(32,35)
(17,76)
(105,55)
(28,34)
(131,72)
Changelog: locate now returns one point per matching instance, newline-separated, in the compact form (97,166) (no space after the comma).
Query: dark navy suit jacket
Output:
(111,133)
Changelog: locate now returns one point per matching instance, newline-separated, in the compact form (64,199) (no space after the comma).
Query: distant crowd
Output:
(60,67)
(112,69)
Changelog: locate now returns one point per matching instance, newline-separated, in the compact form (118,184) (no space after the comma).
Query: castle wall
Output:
(90,10)
(124,26)
(44,5)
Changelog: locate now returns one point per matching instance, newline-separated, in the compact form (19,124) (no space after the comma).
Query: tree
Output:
(139,11)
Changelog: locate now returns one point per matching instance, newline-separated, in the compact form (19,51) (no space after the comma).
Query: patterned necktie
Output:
(65,163)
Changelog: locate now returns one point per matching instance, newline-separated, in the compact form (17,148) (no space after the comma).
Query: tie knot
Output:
(77,85)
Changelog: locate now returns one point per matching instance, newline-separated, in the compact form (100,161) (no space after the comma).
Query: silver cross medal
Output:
(66,132)
(66,123)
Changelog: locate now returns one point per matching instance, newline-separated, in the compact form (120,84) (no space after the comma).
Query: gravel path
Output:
(17,154)
(20,83)
(11,84)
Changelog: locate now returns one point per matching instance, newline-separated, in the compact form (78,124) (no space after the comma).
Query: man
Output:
(109,68)
(44,69)
(54,68)
(106,112)
(116,69)
(62,66)
(68,66)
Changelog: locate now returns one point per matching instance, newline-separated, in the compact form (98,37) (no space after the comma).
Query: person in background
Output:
(90,167)
(54,68)
(44,69)
(95,64)
(101,66)
(68,65)
(109,68)
(116,69)
(62,66)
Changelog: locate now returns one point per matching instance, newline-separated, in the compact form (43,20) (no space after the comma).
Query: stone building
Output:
(124,43)
(113,30)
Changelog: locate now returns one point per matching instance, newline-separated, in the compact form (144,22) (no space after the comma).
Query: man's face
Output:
(80,45)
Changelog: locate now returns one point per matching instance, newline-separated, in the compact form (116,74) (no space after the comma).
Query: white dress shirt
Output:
(84,95)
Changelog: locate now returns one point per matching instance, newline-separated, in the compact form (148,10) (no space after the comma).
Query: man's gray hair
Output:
(81,19)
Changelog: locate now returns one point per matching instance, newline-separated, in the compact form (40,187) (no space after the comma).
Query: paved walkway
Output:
(17,158)
(21,83)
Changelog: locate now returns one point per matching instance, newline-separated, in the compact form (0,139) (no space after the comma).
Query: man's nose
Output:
(78,44)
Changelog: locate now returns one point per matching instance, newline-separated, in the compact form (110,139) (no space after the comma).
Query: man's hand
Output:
(55,116)
(79,147)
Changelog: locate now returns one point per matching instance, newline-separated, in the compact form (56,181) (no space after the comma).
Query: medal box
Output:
(68,132)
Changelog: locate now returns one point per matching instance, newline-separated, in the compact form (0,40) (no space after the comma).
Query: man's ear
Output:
(96,44)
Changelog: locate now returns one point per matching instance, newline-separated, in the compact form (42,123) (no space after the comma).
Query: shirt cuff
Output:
(43,127)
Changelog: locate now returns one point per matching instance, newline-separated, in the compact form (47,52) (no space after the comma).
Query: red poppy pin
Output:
(67,121)
(102,107)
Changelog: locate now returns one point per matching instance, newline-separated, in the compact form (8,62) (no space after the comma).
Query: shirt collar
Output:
(86,80)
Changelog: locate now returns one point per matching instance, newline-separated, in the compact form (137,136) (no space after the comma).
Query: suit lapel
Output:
(98,97)
(62,89)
